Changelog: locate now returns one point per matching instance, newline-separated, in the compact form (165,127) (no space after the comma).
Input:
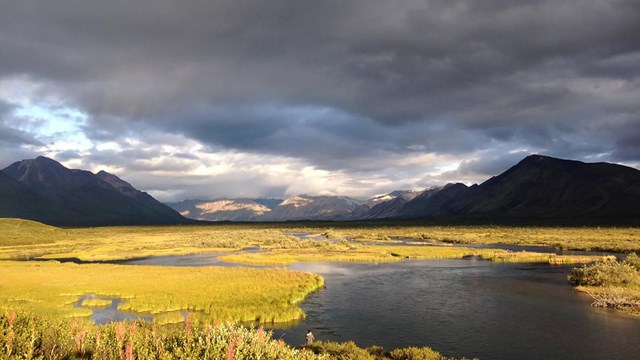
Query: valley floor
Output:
(270,295)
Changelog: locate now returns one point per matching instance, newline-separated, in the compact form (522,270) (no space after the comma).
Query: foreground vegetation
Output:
(612,284)
(26,336)
(221,293)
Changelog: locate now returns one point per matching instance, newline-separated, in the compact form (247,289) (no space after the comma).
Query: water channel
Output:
(468,307)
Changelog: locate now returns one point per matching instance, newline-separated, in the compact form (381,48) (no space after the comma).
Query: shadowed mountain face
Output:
(19,201)
(433,203)
(62,196)
(540,187)
(390,205)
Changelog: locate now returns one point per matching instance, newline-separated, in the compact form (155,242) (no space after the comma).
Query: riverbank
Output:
(611,284)
(27,336)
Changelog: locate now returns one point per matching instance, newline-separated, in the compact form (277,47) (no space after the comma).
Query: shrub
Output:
(633,260)
(414,353)
(340,351)
(608,273)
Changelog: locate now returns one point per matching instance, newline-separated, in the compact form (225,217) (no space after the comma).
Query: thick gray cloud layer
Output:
(348,86)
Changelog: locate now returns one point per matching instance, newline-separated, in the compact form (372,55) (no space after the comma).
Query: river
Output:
(468,307)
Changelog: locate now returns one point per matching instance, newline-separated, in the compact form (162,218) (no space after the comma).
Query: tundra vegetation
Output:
(24,335)
(43,293)
(612,284)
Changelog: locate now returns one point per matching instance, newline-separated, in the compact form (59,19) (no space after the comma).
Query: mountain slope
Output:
(434,202)
(389,205)
(541,187)
(305,207)
(225,209)
(78,197)
(20,202)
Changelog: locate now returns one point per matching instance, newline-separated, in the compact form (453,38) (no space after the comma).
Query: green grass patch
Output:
(15,232)
(234,294)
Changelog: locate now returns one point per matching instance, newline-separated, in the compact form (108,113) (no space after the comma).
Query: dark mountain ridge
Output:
(62,196)
(541,187)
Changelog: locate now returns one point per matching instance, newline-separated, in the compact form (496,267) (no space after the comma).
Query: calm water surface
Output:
(468,307)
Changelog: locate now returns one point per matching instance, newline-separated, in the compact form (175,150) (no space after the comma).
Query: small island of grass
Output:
(612,284)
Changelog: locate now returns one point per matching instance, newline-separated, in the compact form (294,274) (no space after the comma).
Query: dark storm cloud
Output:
(333,138)
(340,83)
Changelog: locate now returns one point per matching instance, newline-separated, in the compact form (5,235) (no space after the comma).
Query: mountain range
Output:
(44,190)
(299,207)
(537,188)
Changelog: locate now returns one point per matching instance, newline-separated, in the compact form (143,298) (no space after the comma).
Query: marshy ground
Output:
(49,289)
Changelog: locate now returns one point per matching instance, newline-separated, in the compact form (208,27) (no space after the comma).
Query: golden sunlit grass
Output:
(238,293)
(21,239)
(384,253)
(355,253)
(624,239)
(553,259)
(242,294)
(96,303)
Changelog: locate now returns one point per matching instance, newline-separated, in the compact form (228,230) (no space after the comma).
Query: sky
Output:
(210,99)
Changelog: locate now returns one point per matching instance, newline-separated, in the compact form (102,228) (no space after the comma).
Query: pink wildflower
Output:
(129,351)
(231,349)
(261,334)
(120,332)
(187,324)
(79,339)
(12,317)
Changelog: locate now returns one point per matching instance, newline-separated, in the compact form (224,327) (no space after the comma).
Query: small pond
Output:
(102,315)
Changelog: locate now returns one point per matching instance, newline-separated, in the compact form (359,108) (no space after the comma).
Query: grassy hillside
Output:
(15,232)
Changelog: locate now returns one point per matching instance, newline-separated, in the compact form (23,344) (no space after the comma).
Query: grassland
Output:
(239,294)
(49,289)
(27,336)
(20,239)
(535,257)
(614,239)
